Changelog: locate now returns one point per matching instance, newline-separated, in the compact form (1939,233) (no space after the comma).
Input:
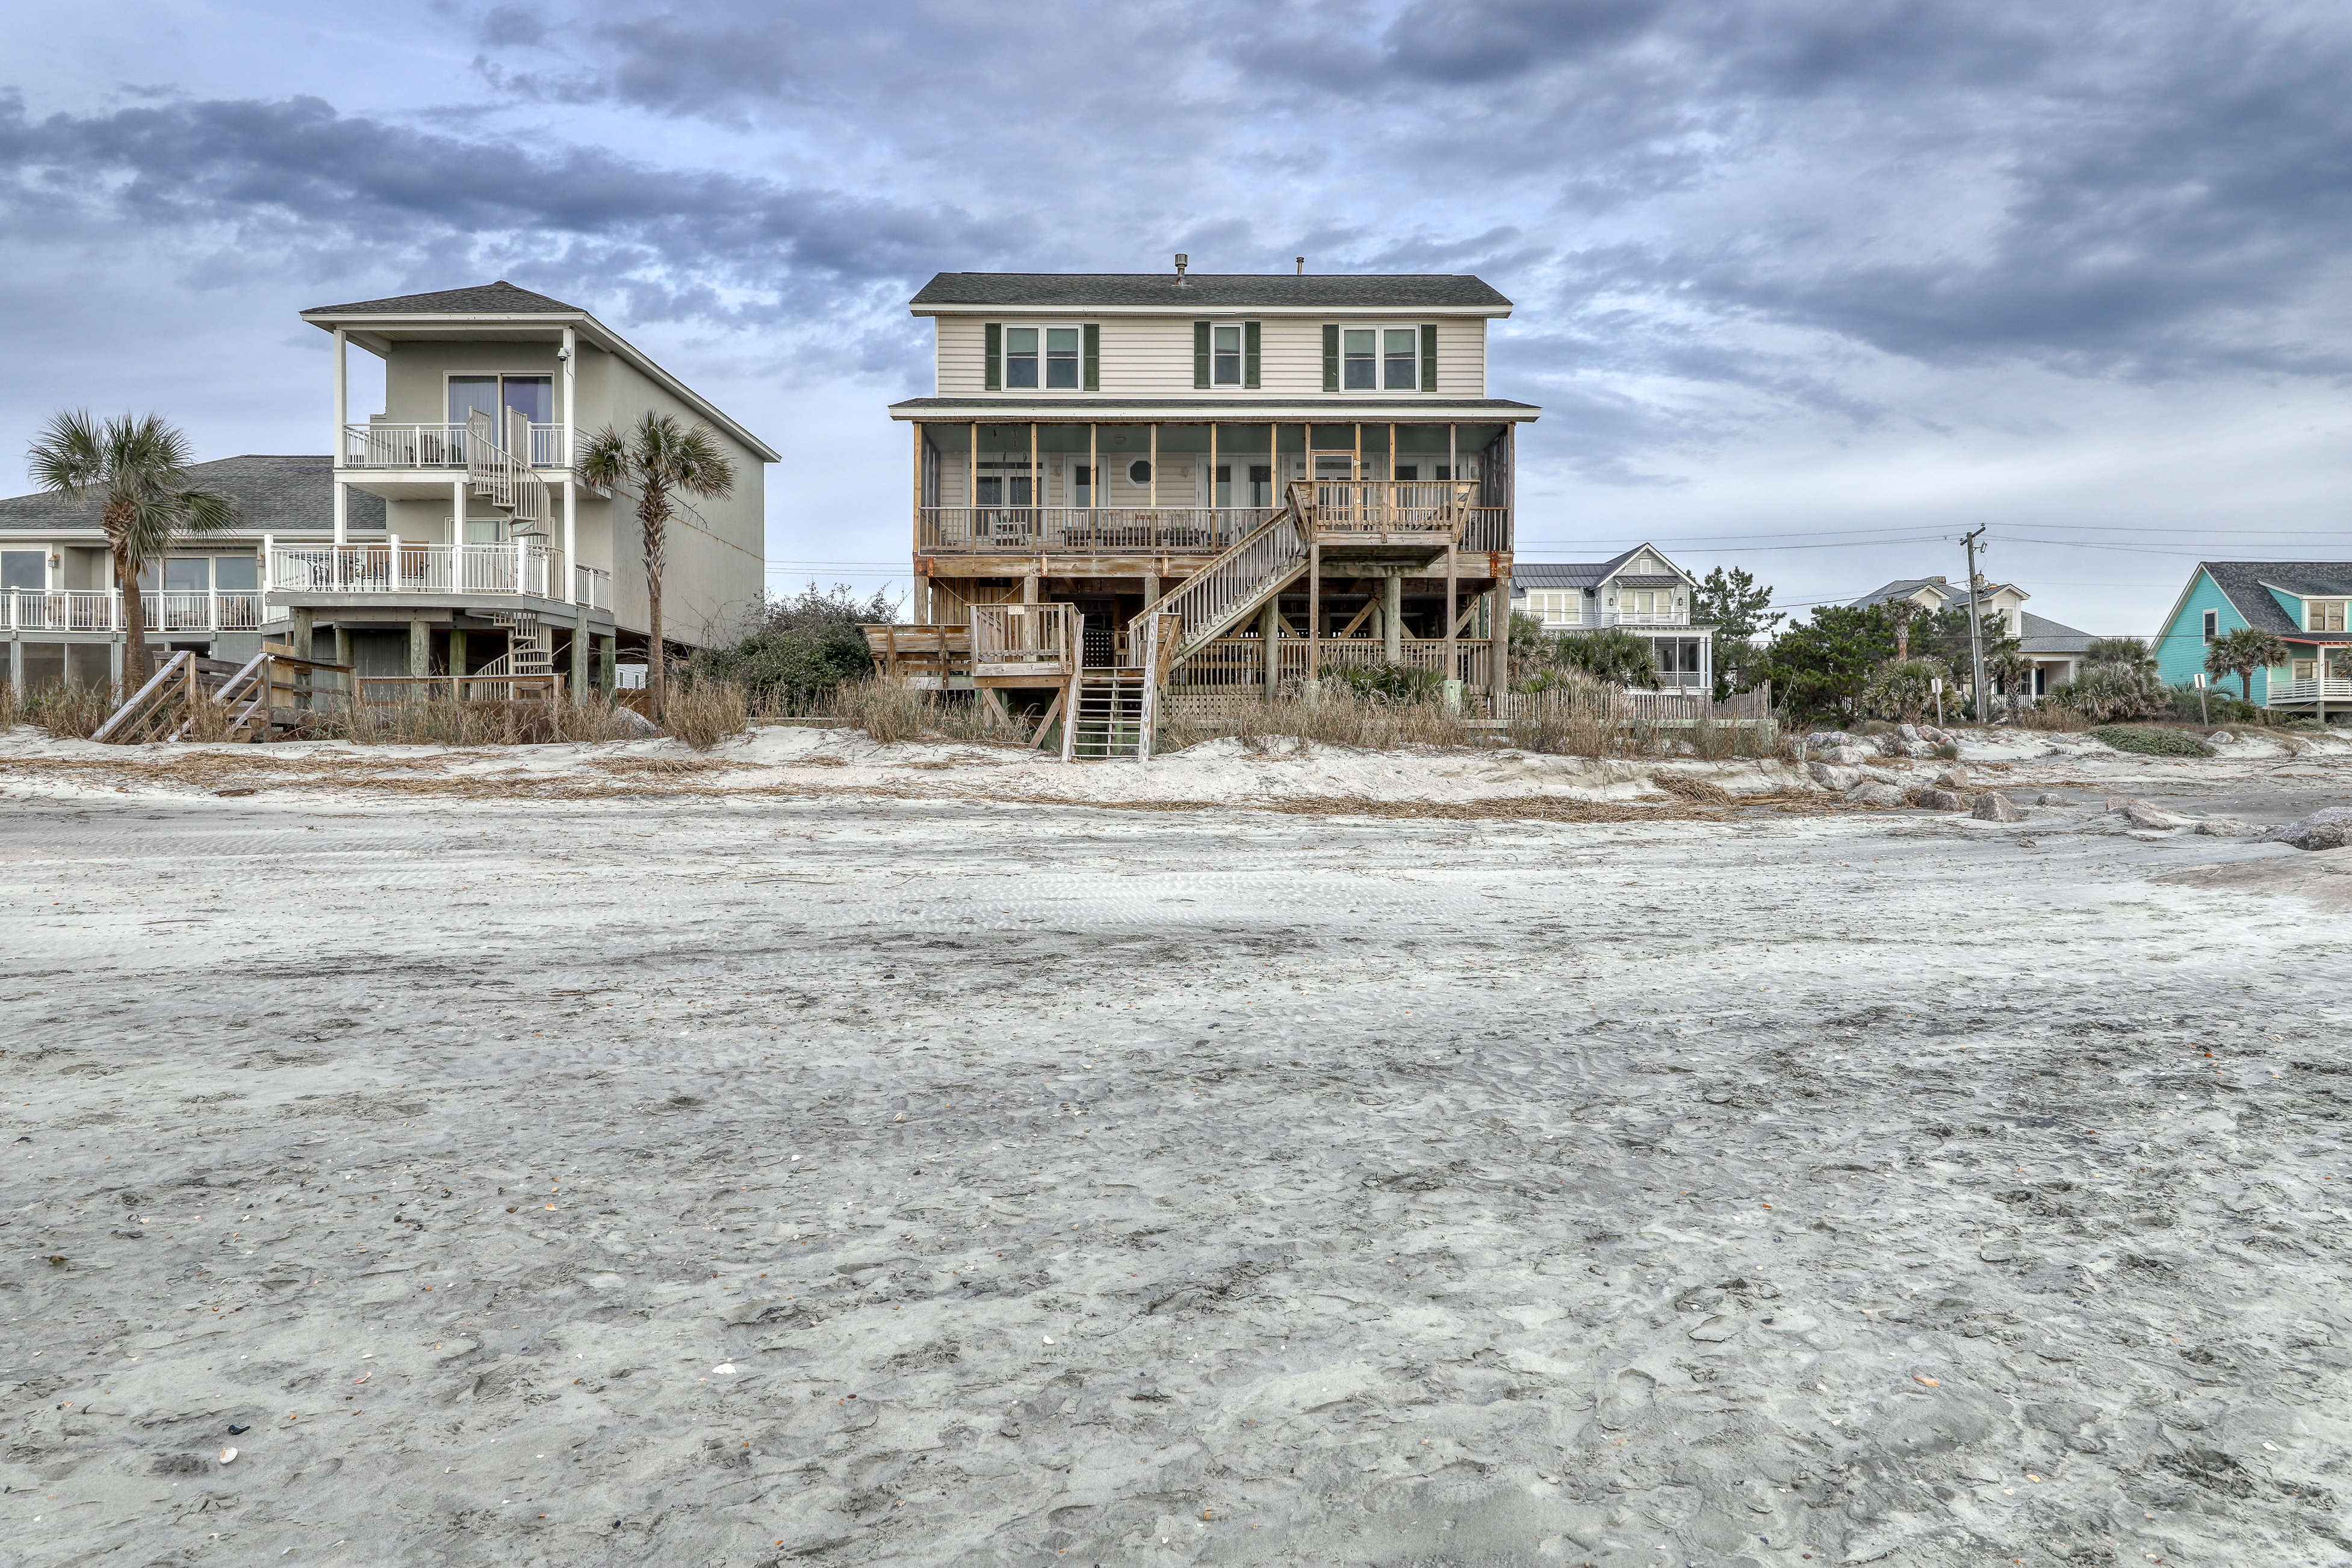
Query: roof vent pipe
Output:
(1302,265)
(1182,261)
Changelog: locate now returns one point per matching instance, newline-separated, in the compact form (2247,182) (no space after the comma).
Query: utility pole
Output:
(1975,625)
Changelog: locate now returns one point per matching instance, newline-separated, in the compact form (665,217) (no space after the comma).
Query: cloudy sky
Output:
(1807,286)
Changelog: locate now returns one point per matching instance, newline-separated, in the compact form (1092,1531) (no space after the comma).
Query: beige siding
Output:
(1147,356)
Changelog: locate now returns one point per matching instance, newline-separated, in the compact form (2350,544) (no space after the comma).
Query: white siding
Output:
(1151,356)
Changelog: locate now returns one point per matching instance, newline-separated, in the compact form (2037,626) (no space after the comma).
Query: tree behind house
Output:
(658,458)
(1730,602)
(135,471)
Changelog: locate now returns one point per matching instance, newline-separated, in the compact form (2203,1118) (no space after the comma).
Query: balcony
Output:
(101,609)
(1602,619)
(436,447)
(394,568)
(1129,530)
(2306,693)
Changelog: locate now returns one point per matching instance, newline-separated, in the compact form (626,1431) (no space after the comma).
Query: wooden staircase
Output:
(1108,714)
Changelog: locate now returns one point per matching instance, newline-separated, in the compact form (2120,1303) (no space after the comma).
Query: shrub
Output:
(801,650)
(1388,682)
(2104,693)
(2149,741)
(1903,690)
(705,712)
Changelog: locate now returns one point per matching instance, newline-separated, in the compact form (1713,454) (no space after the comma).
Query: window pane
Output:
(23,569)
(1021,356)
(534,397)
(991,491)
(1062,357)
(468,393)
(1403,356)
(1228,341)
(1362,359)
(236,573)
(182,575)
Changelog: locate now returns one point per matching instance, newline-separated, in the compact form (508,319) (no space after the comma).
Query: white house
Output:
(2057,650)
(1639,591)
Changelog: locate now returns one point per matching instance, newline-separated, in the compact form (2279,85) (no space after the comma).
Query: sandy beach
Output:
(816,1153)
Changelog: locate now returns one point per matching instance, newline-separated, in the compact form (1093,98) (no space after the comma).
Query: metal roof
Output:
(1210,291)
(500,299)
(271,493)
(1556,575)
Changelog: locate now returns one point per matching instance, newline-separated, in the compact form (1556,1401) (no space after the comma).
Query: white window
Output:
(25,570)
(2323,614)
(1021,356)
(1047,352)
(1380,359)
(1225,367)
(1651,603)
(1558,608)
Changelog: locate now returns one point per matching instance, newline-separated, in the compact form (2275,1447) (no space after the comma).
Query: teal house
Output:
(2302,602)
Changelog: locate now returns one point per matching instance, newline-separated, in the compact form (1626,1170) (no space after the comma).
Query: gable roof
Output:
(1554,576)
(1946,591)
(271,495)
(500,299)
(1160,291)
(2246,585)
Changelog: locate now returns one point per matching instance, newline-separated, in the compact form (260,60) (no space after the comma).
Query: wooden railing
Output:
(1087,530)
(1024,638)
(1384,510)
(1220,593)
(390,691)
(1229,662)
(1488,528)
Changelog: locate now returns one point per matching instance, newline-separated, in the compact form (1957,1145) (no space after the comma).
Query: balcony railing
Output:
(434,447)
(2295,694)
(101,609)
(1089,530)
(1385,510)
(1601,619)
(397,567)
(591,586)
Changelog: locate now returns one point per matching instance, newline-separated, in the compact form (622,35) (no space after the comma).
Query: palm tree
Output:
(1902,613)
(2243,651)
(135,470)
(657,458)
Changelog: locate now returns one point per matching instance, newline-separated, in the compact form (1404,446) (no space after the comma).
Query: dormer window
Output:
(2324,615)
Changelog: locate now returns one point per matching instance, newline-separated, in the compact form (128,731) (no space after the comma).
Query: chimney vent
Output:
(1182,261)
(1302,266)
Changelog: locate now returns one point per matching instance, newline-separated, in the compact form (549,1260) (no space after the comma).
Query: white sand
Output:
(1189,1187)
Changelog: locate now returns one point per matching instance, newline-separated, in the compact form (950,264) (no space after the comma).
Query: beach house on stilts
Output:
(1201,489)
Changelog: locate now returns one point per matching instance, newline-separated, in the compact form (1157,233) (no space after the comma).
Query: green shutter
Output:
(995,335)
(1249,353)
(1429,359)
(1330,359)
(1200,353)
(1093,372)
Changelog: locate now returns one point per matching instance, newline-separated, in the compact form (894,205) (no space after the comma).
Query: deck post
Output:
(1392,617)
(1453,658)
(299,633)
(1314,610)
(458,661)
(580,647)
(608,656)
(420,647)
(343,646)
(1498,628)
(1269,629)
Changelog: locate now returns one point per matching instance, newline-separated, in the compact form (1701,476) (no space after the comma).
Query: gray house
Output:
(1640,592)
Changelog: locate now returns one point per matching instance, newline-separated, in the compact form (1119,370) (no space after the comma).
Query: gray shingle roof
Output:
(1950,593)
(1213,290)
(272,495)
(2241,581)
(2040,634)
(500,299)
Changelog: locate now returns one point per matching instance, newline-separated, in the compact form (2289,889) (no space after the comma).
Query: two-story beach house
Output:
(2306,604)
(1637,591)
(1298,472)
(2056,649)
(445,535)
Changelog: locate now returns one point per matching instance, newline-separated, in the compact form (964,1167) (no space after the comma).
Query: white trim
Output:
(1045,362)
(1204,409)
(484,323)
(1179,308)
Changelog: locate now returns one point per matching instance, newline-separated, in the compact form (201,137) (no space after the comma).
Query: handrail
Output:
(181,662)
(1418,508)
(1022,635)
(1209,599)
